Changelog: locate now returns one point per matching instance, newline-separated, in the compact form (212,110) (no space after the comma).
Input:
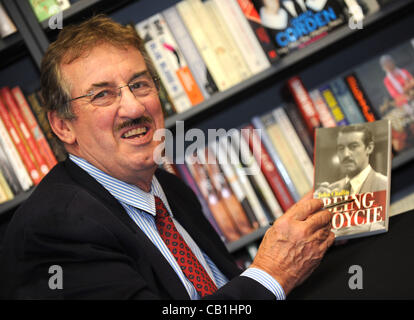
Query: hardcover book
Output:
(354,163)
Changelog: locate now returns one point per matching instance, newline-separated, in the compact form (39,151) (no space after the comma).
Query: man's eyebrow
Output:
(107,83)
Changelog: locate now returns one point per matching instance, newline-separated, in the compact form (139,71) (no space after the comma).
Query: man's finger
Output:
(320,220)
(303,209)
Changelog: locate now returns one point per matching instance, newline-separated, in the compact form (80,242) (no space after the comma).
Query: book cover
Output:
(267,142)
(189,50)
(243,35)
(202,38)
(7,26)
(5,192)
(295,24)
(27,135)
(327,120)
(354,163)
(14,158)
(346,101)
(304,103)
(44,9)
(166,59)
(8,172)
(267,166)
(360,97)
(333,105)
(42,144)
(262,36)
(387,79)
(16,136)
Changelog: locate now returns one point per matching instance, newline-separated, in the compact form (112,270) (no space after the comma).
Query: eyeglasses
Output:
(106,96)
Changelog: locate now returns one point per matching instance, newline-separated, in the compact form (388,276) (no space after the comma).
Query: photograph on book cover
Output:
(353,163)
(387,80)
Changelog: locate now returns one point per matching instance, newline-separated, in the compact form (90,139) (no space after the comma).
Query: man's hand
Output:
(294,246)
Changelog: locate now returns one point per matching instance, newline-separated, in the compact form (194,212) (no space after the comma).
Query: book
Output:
(267,166)
(294,142)
(243,35)
(387,79)
(31,122)
(221,215)
(189,50)
(294,24)
(333,105)
(8,172)
(219,181)
(7,26)
(346,101)
(304,103)
(267,142)
(322,108)
(13,157)
(16,136)
(5,192)
(262,187)
(354,163)
(44,9)
(230,55)
(202,38)
(263,37)
(360,97)
(27,135)
(286,154)
(167,59)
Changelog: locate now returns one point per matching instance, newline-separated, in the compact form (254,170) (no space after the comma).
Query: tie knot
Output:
(160,208)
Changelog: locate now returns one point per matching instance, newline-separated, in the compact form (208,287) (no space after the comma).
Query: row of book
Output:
(26,155)
(200,47)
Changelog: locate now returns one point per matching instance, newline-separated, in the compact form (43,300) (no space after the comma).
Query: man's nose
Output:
(130,106)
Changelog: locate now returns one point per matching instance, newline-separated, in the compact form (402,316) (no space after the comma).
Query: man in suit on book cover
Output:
(107,223)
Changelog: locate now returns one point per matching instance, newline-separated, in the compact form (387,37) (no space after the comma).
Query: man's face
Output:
(100,135)
(352,152)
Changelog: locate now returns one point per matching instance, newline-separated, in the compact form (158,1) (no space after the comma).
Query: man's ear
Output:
(61,127)
(370,147)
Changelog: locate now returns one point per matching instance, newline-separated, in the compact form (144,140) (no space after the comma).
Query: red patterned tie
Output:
(186,259)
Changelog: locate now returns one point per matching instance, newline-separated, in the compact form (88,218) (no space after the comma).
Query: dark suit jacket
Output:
(70,220)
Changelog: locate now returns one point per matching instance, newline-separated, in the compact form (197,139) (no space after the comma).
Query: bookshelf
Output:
(28,42)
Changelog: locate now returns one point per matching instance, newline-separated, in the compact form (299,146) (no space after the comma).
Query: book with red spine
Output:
(37,133)
(13,130)
(26,134)
(268,168)
(304,102)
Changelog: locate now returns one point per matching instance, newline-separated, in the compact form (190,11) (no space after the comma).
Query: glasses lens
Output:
(142,87)
(104,97)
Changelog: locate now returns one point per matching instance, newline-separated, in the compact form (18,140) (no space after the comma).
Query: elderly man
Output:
(112,224)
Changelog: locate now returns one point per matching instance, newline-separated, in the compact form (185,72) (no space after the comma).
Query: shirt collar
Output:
(124,192)
(358,180)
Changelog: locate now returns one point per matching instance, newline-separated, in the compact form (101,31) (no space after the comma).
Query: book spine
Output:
(37,133)
(217,208)
(262,36)
(346,101)
(360,97)
(188,178)
(279,142)
(27,135)
(258,124)
(249,160)
(250,194)
(333,106)
(13,130)
(167,74)
(14,157)
(7,169)
(322,108)
(41,116)
(7,193)
(243,35)
(304,103)
(202,41)
(189,50)
(232,61)
(221,154)
(176,59)
(220,184)
(7,26)
(293,140)
(268,167)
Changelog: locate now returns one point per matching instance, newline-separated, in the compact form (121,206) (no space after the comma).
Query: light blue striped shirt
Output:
(140,206)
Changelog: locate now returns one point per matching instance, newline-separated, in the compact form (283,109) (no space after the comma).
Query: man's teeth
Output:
(134,132)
